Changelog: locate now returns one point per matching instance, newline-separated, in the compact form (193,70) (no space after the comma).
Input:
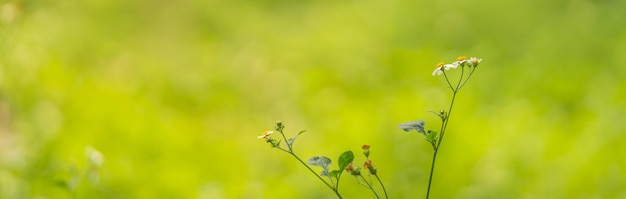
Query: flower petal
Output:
(437,71)
(452,65)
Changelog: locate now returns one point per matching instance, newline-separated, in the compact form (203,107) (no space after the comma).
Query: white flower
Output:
(460,60)
(439,69)
(452,65)
(265,134)
(473,61)
(441,66)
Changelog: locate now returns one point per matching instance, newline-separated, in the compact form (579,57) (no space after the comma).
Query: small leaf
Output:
(325,173)
(431,136)
(275,143)
(293,139)
(335,173)
(320,161)
(344,159)
(415,125)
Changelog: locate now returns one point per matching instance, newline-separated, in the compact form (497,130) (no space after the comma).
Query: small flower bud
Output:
(279,126)
(273,142)
(442,114)
(366,150)
(353,171)
(473,61)
(368,165)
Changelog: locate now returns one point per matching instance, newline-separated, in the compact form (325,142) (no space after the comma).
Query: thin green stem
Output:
(445,118)
(458,84)
(278,147)
(359,182)
(286,141)
(369,186)
(432,169)
(382,185)
(444,124)
(290,151)
(447,80)
(468,76)
(318,176)
(337,185)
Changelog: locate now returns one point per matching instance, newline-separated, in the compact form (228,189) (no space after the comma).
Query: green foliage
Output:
(293,139)
(344,159)
(431,136)
(320,161)
(336,173)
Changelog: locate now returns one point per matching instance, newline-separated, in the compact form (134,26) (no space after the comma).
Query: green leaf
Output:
(335,173)
(293,139)
(320,161)
(325,173)
(276,144)
(431,136)
(344,159)
(415,125)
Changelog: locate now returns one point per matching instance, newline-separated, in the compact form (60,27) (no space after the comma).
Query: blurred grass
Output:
(174,93)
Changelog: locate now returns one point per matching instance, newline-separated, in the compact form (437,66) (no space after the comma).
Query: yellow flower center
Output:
(461,58)
(440,64)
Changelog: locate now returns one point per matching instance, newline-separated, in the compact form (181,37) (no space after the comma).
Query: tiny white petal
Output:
(475,60)
(449,66)
(437,71)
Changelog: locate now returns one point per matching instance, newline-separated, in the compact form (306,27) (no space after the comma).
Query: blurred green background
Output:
(174,93)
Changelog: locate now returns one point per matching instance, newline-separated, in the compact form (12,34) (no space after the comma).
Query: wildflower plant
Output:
(371,171)
(468,66)
(329,177)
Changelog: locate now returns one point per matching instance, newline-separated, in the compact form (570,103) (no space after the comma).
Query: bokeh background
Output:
(173,94)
